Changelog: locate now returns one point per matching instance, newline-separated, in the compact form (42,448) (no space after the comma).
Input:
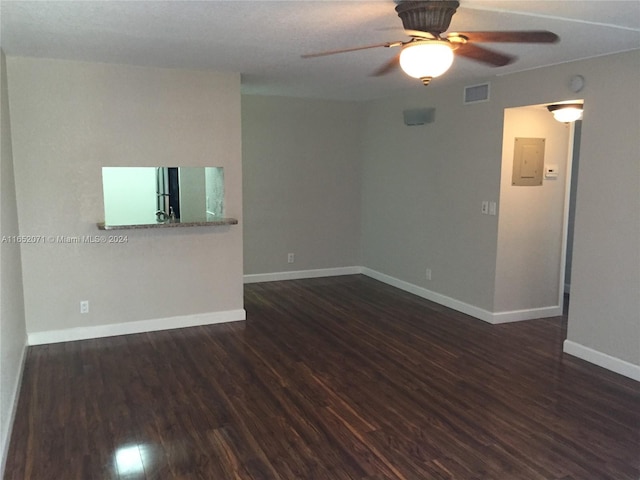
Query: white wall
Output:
(531,220)
(301,166)
(423,187)
(13,335)
(604,313)
(69,119)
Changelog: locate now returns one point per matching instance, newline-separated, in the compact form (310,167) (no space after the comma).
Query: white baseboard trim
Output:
(429,295)
(301,274)
(476,312)
(472,310)
(603,360)
(15,396)
(141,326)
(528,314)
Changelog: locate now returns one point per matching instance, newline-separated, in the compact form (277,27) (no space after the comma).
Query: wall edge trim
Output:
(601,359)
(140,326)
(449,302)
(472,310)
(527,314)
(466,308)
(301,274)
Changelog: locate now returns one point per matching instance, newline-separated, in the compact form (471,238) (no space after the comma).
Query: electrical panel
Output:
(528,162)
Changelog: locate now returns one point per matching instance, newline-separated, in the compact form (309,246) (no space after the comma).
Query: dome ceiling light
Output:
(566,112)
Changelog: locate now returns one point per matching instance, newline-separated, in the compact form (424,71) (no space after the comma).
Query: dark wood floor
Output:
(340,378)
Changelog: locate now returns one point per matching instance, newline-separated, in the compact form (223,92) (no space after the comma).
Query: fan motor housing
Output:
(433,16)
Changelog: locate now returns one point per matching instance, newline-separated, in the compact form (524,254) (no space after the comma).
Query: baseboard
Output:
(15,396)
(471,310)
(603,360)
(476,312)
(111,330)
(449,302)
(528,314)
(301,274)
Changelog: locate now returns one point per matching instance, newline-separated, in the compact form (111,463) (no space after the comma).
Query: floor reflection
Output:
(129,462)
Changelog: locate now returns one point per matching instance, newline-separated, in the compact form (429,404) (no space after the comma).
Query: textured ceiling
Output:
(263,40)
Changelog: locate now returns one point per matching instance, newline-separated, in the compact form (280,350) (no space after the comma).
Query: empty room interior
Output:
(253,240)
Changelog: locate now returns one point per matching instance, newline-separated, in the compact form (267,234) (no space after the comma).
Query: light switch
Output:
(492,208)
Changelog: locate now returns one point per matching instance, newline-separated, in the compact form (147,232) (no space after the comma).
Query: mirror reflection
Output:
(148,195)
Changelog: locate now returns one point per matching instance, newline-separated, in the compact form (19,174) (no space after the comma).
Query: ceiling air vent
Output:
(476,93)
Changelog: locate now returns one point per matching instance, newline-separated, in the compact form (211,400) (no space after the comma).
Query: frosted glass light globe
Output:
(425,60)
(568,114)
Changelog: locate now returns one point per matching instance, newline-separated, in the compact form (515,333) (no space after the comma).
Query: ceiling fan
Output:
(429,52)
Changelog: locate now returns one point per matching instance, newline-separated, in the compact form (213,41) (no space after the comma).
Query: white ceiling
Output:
(263,40)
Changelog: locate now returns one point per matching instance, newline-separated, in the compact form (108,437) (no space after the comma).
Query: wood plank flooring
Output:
(337,378)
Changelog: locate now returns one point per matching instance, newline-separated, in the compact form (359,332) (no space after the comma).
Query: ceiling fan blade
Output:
(353,49)
(387,67)
(523,36)
(484,55)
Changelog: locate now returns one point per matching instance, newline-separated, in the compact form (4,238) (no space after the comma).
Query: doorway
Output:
(535,223)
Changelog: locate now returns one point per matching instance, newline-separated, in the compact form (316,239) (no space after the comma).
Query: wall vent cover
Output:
(419,116)
(476,93)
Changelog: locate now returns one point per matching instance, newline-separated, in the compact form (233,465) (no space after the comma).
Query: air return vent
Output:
(419,116)
(476,93)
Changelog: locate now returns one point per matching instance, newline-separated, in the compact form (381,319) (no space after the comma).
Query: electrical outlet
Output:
(84,306)
(428,274)
(291,258)
(485,207)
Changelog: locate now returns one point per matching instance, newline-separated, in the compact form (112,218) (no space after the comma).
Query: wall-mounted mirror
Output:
(157,195)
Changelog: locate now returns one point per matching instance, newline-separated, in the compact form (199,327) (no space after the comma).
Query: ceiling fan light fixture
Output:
(566,112)
(426,60)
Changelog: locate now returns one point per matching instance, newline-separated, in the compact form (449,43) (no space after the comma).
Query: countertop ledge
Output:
(207,223)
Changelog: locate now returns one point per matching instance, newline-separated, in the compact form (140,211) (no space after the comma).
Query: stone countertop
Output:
(177,223)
